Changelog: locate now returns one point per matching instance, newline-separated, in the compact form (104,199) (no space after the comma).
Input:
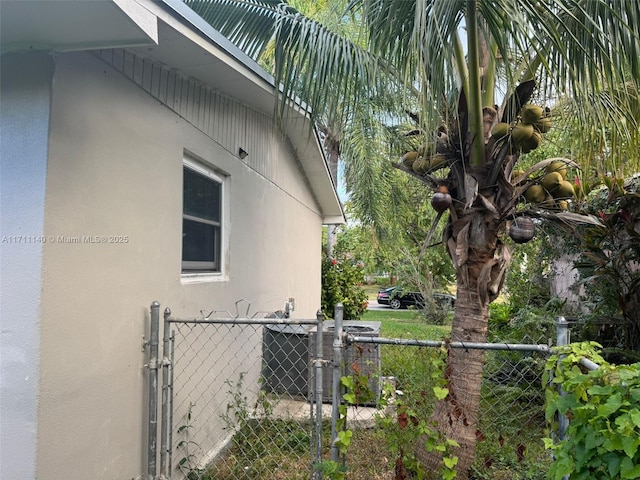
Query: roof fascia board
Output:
(141,16)
(224,44)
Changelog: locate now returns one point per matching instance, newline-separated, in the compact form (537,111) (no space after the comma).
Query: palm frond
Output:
(567,219)
(248,24)
(407,49)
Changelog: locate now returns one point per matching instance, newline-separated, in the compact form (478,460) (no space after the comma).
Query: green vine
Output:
(406,428)
(411,425)
(187,463)
(602,406)
(355,385)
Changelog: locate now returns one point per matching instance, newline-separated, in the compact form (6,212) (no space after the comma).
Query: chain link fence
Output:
(242,399)
(511,420)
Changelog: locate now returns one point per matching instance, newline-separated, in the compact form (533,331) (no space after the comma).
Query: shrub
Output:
(499,316)
(383,281)
(603,407)
(530,324)
(341,280)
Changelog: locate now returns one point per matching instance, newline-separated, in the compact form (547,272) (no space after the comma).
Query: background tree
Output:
(609,266)
(410,63)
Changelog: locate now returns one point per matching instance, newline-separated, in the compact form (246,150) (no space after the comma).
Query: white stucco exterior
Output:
(25,94)
(92,159)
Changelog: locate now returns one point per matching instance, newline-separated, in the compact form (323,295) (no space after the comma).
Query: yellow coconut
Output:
(551,181)
(437,160)
(564,190)
(558,166)
(531,113)
(408,158)
(522,132)
(543,125)
(532,142)
(535,194)
(563,205)
(500,130)
(421,165)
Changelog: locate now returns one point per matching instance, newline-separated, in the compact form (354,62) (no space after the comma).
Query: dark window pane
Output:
(199,242)
(201,196)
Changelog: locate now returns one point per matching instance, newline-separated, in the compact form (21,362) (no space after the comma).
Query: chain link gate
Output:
(235,389)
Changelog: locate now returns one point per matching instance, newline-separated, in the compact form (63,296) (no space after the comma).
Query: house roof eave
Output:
(41,25)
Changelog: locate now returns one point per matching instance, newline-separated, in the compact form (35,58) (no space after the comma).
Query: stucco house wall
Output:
(25,87)
(92,161)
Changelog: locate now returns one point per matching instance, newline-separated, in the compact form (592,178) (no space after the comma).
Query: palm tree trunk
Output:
(457,415)
(481,262)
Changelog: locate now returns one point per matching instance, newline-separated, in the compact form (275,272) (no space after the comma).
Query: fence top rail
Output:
(585,362)
(437,343)
(244,321)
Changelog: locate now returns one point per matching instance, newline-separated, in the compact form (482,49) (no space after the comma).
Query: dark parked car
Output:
(397,298)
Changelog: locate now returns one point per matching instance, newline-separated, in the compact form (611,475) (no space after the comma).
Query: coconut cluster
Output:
(553,190)
(423,161)
(525,133)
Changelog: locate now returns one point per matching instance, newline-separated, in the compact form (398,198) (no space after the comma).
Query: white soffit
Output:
(69,25)
(186,51)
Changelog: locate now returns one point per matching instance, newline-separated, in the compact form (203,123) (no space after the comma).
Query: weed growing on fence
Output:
(186,463)
(603,408)
(236,415)
(262,447)
(357,391)
(512,410)
(420,384)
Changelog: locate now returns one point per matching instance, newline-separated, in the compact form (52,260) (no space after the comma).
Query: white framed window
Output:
(202,219)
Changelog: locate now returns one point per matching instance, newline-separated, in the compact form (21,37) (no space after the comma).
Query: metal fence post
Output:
(563,339)
(170,434)
(318,365)
(165,427)
(336,378)
(153,389)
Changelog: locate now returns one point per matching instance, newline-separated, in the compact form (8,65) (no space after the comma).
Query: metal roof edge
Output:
(216,37)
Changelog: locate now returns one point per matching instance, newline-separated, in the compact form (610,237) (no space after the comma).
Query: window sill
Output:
(190,278)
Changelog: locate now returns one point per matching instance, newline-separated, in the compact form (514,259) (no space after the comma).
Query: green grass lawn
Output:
(372,291)
(405,324)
